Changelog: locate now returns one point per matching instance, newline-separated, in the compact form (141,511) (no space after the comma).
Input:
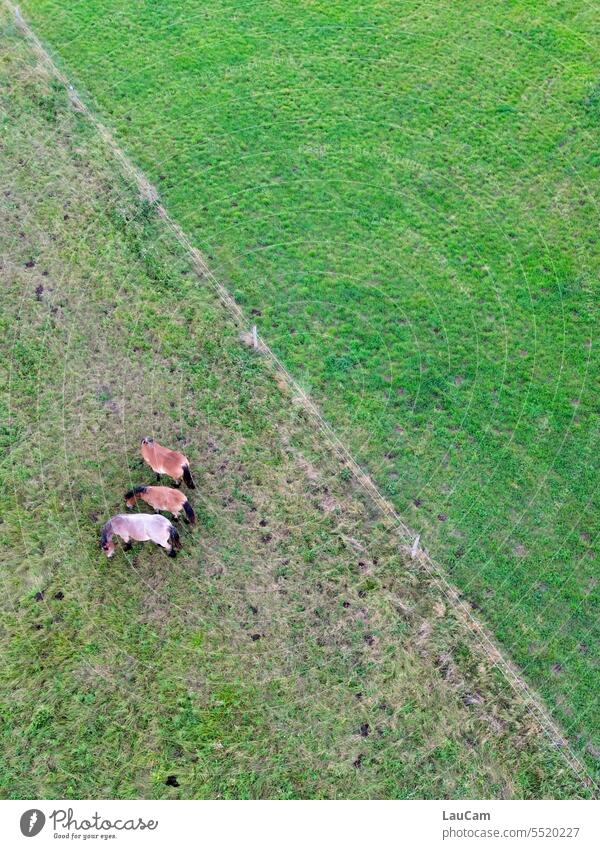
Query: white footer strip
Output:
(312,824)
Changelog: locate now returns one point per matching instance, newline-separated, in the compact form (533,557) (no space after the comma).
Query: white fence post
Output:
(415,546)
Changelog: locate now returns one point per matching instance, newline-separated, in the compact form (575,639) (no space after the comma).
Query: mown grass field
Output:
(289,650)
(406,198)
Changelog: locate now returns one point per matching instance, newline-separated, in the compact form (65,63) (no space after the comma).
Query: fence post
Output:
(415,546)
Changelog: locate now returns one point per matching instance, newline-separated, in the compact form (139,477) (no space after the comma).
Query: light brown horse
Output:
(140,527)
(162,498)
(166,462)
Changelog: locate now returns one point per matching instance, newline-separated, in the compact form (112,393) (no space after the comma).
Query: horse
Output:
(162,498)
(163,461)
(140,527)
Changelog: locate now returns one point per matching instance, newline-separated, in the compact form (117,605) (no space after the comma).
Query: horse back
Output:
(142,526)
(164,459)
(165,498)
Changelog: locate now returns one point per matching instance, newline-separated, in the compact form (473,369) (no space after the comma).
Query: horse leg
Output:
(157,478)
(127,546)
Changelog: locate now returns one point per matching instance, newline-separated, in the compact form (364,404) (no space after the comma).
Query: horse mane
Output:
(105,533)
(135,491)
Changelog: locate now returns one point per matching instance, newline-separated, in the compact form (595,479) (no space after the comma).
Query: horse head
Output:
(106,542)
(132,494)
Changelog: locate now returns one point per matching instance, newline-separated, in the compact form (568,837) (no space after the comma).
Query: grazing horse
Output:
(140,527)
(162,498)
(166,462)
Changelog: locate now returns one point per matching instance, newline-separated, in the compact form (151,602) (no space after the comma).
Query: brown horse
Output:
(166,462)
(162,498)
(140,527)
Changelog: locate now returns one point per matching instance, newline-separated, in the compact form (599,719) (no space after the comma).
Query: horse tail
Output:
(187,476)
(174,538)
(189,512)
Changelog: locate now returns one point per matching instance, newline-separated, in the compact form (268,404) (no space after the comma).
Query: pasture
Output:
(291,649)
(406,199)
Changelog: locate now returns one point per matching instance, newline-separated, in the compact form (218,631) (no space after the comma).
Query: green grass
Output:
(288,651)
(407,197)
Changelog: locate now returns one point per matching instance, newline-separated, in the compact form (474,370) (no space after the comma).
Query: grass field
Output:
(406,198)
(289,651)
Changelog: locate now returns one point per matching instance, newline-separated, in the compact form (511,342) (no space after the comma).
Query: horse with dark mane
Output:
(163,461)
(140,527)
(162,498)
